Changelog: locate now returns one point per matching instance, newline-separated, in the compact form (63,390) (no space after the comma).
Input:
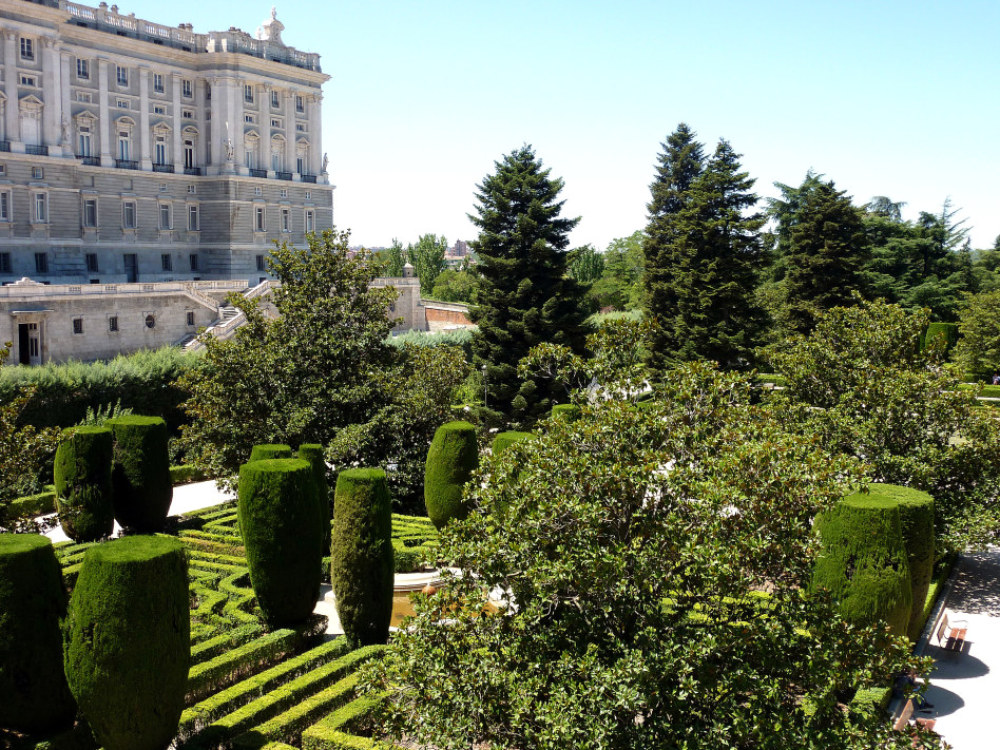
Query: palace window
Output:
(193,261)
(121,75)
(258,224)
(128,215)
(187,88)
(82,69)
(190,318)
(166,219)
(193,218)
(286,220)
(248,93)
(158,83)
(41,208)
(310,221)
(84,141)
(5,206)
(29,80)
(4,262)
(92,260)
(90,221)
(77,325)
(160,150)
(27,48)
(275,100)
(166,262)
(41,263)
(113,324)
(300,104)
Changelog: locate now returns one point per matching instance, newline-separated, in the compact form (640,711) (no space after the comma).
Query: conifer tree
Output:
(526,297)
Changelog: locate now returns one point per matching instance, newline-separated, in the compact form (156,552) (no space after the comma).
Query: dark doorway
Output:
(131,268)
(22,344)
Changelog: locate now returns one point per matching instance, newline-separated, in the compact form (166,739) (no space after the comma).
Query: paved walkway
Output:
(965,686)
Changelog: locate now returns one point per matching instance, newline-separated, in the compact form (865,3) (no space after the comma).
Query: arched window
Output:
(86,133)
(190,144)
(124,127)
(302,156)
(161,144)
(251,149)
(278,153)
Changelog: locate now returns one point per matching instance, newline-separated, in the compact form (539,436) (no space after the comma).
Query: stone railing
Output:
(28,288)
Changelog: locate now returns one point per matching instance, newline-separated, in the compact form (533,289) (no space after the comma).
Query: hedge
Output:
(361,555)
(270,450)
(141,473)
(30,506)
(313,453)
(282,535)
(504,440)
(128,641)
(331,733)
(569,412)
(186,474)
(83,482)
(452,457)
(948,332)
(863,561)
(34,696)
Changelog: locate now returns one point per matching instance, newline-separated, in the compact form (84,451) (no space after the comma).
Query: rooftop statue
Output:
(270,31)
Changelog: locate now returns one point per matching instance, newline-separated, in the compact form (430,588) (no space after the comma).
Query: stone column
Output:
(176,153)
(316,133)
(11,124)
(237,126)
(290,133)
(66,120)
(204,128)
(104,124)
(52,111)
(145,161)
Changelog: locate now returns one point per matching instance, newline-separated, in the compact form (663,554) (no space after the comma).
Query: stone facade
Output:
(135,152)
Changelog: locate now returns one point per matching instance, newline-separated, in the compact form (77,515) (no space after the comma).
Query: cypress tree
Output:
(525,297)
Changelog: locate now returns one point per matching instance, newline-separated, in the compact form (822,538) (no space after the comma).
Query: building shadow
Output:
(977,587)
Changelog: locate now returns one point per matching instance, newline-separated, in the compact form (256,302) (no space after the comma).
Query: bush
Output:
(504,440)
(570,412)
(863,561)
(84,488)
(452,457)
(143,490)
(947,332)
(270,450)
(313,453)
(186,473)
(282,537)
(30,506)
(34,696)
(916,517)
(128,641)
(361,557)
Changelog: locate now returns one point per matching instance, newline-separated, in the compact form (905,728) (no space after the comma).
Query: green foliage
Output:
(863,562)
(394,258)
(427,257)
(586,265)
(96,417)
(279,519)
(361,558)
(566,411)
(143,490)
(978,351)
(620,284)
(625,555)
(504,440)
(525,296)
(34,696)
(84,486)
(313,453)
(271,450)
(453,456)
(947,333)
(460,338)
(186,474)
(454,285)
(128,641)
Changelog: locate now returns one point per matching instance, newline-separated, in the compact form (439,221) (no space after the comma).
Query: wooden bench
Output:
(951,635)
(906,714)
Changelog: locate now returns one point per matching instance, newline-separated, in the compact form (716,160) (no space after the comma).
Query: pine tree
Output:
(526,297)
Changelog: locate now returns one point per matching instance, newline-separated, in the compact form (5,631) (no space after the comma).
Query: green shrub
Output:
(30,506)
(83,480)
(186,474)
(34,696)
(863,561)
(128,641)
(142,487)
(504,440)
(569,412)
(361,557)
(270,450)
(948,332)
(452,457)
(916,517)
(282,536)
(313,453)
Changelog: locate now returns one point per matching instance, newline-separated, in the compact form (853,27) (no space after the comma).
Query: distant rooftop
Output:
(266,45)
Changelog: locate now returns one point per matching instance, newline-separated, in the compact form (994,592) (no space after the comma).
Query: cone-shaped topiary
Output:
(84,495)
(270,450)
(569,412)
(916,518)
(128,641)
(279,520)
(863,561)
(452,457)
(313,453)
(504,440)
(34,696)
(361,558)
(141,475)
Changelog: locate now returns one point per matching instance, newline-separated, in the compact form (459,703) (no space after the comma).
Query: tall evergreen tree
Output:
(525,297)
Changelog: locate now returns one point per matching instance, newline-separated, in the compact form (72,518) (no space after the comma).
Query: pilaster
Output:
(204,126)
(145,162)
(52,111)
(238,126)
(290,133)
(11,124)
(66,119)
(104,114)
(176,152)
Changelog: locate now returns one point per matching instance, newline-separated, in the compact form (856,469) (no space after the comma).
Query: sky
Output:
(884,97)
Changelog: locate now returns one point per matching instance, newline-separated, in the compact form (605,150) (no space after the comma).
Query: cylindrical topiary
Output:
(279,520)
(863,561)
(141,475)
(361,557)
(313,453)
(946,332)
(452,457)
(128,641)
(504,440)
(569,412)
(84,494)
(270,450)
(34,696)
(916,518)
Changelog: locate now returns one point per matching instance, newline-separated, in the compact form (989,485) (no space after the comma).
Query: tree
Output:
(427,257)
(978,350)
(525,296)
(620,284)
(456,286)
(628,569)
(394,258)
(586,264)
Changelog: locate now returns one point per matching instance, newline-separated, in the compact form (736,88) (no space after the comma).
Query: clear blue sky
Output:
(886,97)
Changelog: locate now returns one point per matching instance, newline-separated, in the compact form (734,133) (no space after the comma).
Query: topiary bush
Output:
(270,450)
(948,332)
(143,489)
(83,481)
(361,557)
(569,412)
(313,453)
(452,457)
(504,440)
(34,696)
(863,561)
(279,520)
(127,635)
(916,518)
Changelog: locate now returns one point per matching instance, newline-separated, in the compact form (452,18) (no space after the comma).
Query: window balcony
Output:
(4,145)
(33,150)
(308,178)
(254,172)
(89,161)
(168,168)
(193,171)
(126,164)
(283,175)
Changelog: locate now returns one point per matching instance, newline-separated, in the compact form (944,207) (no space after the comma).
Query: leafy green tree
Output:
(395,258)
(525,296)
(427,257)
(586,264)
(624,553)
(978,350)
(620,285)
(456,285)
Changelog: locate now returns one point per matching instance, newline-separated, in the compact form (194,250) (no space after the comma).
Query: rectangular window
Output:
(193,261)
(260,263)
(4,262)
(28,80)
(121,75)
(113,324)
(187,114)
(300,105)
(192,189)
(128,215)
(189,155)
(27,48)
(259,219)
(37,173)
(275,100)
(91,262)
(90,220)
(5,206)
(276,123)
(284,192)
(250,119)
(41,208)
(84,96)
(158,83)
(166,262)
(187,88)
(77,325)
(192,218)
(124,142)
(248,93)
(165,218)
(300,164)
(41,263)
(123,104)
(159,110)
(84,143)
(160,152)
(82,68)
(310,221)
(190,318)
(285,220)
(300,128)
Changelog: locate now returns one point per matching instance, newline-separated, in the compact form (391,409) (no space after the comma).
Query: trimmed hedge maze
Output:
(251,688)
